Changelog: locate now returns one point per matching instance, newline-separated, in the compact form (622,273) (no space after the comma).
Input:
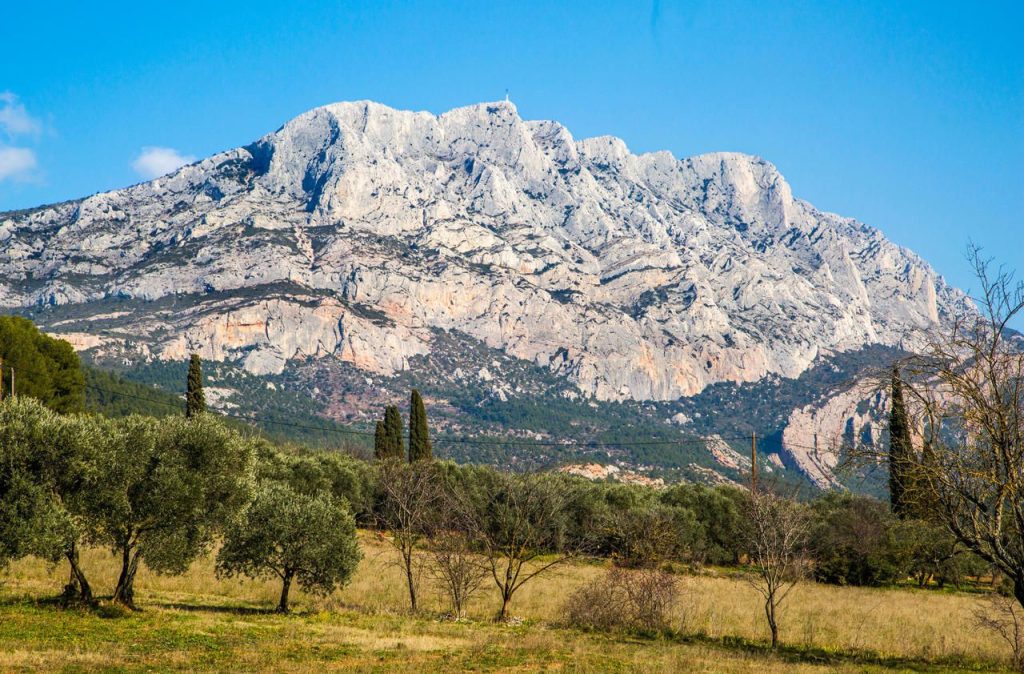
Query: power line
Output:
(469,441)
(590,444)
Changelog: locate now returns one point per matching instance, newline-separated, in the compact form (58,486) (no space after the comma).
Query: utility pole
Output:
(1,378)
(753,463)
(12,381)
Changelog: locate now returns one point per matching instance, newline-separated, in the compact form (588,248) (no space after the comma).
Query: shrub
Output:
(641,600)
(646,536)
(853,542)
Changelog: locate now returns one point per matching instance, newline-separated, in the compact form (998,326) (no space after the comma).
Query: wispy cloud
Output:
(154,162)
(16,163)
(14,118)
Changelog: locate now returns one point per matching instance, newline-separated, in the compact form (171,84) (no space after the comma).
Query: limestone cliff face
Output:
(815,435)
(355,230)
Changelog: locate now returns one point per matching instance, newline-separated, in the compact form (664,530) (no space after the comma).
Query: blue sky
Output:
(908,116)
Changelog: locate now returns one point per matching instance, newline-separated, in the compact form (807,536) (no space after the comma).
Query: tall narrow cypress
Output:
(195,400)
(901,451)
(419,435)
(393,432)
(380,442)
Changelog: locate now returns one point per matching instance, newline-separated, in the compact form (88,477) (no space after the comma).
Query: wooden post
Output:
(754,462)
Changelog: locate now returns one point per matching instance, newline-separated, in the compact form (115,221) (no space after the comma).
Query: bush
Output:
(646,536)
(853,541)
(641,600)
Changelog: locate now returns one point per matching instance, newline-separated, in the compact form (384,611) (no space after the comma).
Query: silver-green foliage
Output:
(306,538)
(29,521)
(45,463)
(167,486)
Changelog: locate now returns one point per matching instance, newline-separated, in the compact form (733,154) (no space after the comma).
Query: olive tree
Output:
(167,486)
(48,463)
(28,520)
(73,467)
(305,538)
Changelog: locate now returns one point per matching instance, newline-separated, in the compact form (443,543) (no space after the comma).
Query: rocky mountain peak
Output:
(356,231)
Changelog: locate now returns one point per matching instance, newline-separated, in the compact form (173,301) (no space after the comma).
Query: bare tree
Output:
(455,566)
(520,528)
(775,534)
(409,498)
(1004,617)
(966,398)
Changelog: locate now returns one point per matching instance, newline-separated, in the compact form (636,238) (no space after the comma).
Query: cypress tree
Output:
(393,432)
(195,401)
(419,435)
(901,451)
(380,442)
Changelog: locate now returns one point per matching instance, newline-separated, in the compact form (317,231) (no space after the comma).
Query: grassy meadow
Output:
(198,622)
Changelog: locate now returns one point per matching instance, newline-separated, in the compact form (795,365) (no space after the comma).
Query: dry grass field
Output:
(198,622)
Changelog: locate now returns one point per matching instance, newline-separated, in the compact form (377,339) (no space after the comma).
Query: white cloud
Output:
(14,118)
(154,162)
(16,162)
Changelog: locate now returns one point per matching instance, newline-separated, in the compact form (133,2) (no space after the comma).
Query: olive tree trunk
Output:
(286,586)
(124,592)
(78,583)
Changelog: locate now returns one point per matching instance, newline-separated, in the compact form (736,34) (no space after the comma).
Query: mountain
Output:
(360,244)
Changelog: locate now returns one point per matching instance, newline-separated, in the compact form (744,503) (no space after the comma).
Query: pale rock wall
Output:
(634,276)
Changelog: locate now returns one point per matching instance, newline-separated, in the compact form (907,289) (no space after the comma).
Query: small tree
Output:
(380,442)
(1004,617)
(519,519)
(393,432)
(419,434)
(310,539)
(455,566)
(167,486)
(775,534)
(409,499)
(195,399)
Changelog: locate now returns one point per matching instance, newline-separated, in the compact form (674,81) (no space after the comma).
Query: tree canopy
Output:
(306,538)
(195,399)
(419,434)
(44,368)
(167,485)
